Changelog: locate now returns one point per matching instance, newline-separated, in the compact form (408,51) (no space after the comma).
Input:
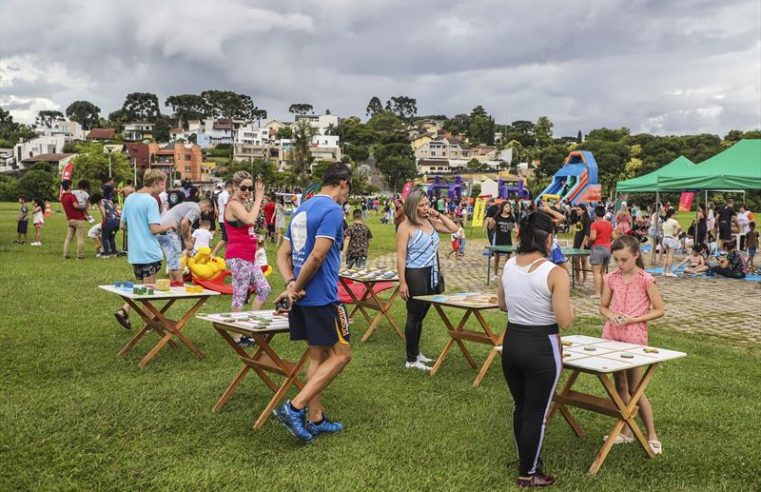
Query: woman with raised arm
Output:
(417,248)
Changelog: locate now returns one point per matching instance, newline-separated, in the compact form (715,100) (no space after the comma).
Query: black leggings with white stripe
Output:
(531,362)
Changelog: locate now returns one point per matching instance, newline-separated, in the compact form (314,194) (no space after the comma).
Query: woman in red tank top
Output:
(240,219)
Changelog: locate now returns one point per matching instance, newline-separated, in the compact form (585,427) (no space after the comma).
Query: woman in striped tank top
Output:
(417,244)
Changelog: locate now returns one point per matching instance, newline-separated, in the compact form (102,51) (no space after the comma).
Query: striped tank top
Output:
(421,249)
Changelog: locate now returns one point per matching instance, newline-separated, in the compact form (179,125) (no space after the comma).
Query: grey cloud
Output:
(669,67)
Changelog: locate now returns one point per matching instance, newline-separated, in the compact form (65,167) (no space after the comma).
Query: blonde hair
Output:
(411,204)
(241,176)
(151,177)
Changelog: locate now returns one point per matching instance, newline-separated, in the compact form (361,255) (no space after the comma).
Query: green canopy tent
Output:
(649,182)
(737,168)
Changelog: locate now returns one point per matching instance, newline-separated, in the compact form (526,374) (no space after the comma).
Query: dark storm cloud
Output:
(665,67)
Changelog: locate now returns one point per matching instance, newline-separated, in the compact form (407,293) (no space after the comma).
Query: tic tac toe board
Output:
(260,321)
(369,275)
(598,355)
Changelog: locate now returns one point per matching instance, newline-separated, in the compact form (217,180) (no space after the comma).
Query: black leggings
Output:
(418,284)
(531,362)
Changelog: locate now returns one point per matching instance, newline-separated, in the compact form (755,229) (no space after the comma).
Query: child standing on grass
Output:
(22,221)
(359,241)
(751,241)
(38,220)
(630,299)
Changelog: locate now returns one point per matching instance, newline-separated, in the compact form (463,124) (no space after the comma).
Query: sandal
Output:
(123,318)
(656,447)
(620,439)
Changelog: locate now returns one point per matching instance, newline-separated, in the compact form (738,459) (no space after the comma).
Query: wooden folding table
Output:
(155,319)
(569,253)
(602,358)
(371,300)
(472,303)
(262,326)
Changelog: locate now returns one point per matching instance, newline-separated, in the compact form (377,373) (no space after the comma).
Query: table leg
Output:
(557,406)
(498,340)
(175,329)
(488,269)
(385,311)
(451,341)
(149,322)
(291,377)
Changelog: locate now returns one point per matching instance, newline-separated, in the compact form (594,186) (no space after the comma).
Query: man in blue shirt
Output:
(309,261)
(140,216)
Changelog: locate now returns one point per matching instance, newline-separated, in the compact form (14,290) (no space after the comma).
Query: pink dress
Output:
(629,298)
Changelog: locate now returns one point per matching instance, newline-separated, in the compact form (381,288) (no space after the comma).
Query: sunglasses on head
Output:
(246,188)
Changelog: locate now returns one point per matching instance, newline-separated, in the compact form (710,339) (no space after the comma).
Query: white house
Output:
(7,161)
(71,130)
(52,144)
(137,131)
(321,123)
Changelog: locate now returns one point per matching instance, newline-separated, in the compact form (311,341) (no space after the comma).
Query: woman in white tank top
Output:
(536,295)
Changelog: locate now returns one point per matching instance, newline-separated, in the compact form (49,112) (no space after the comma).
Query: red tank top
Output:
(241,242)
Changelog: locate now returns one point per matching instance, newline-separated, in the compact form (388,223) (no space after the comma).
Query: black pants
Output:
(531,362)
(725,231)
(727,272)
(419,284)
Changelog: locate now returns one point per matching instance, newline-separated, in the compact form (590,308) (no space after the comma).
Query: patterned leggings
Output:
(245,276)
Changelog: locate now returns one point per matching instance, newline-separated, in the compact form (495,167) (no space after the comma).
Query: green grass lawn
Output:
(73,416)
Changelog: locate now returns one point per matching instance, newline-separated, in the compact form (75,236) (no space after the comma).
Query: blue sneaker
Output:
(324,427)
(293,420)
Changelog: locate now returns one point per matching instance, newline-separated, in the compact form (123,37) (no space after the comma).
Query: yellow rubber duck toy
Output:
(202,265)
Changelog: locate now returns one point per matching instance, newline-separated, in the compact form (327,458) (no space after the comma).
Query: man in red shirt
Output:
(77,222)
(269,216)
(600,237)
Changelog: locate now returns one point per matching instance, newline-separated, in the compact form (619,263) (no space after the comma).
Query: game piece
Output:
(627,356)
(567,344)
(283,304)
(590,349)
(650,350)
(162,284)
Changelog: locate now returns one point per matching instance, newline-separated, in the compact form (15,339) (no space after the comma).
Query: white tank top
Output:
(527,296)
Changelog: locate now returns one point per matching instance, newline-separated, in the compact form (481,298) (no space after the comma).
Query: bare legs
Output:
(325,363)
(626,382)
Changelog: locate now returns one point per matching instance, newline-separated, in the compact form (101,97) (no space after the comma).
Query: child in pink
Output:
(629,300)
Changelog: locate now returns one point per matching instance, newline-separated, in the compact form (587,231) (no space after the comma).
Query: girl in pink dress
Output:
(630,299)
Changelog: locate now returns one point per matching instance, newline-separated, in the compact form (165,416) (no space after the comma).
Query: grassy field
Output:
(73,416)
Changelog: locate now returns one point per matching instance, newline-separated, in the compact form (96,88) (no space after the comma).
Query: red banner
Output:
(685,201)
(406,190)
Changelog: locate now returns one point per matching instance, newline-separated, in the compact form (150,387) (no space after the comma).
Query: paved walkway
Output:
(728,309)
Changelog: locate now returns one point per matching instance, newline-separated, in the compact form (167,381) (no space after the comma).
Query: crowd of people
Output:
(325,233)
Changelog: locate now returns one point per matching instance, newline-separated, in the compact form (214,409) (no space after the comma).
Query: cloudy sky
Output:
(656,66)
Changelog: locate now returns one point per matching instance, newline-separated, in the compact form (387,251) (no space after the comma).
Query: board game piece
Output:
(650,350)
(566,344)
(627,356)
(162,284)
(590,349)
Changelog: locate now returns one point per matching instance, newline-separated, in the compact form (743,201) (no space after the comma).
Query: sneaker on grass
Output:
(417,365)
(293,420)
(422,358)
(326,426)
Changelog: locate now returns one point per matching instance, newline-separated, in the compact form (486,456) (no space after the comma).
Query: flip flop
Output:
(123,319)
(656,446)
(621,439)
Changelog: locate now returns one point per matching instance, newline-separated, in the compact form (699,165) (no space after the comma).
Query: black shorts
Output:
(319,325)
(145,270)
(271,228)
(725,231)
(21,227)
(224,231)
(577,240)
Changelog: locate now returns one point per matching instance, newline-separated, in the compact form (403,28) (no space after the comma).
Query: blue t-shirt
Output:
(319,217)
(141,210)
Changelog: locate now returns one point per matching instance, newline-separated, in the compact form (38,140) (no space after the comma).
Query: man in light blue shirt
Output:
(140,217)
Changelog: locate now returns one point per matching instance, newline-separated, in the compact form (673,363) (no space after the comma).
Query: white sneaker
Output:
(36,244)
(417,365)
(422,358)
(669,274)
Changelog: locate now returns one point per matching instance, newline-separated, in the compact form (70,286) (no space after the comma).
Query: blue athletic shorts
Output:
(319,325)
